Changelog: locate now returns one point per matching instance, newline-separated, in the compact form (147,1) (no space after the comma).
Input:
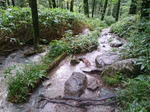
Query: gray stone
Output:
(106,59)
(126,67)
(104,92)
(116,43)
(75,85)
(93,84)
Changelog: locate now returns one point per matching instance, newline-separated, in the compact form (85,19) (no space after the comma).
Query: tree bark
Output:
(67,5)
(86,8)
(54,3)
(109,10)
(93,8)
(144,9)
(35,22)
(8,2)
(133,7)
(50,3)
(71,5)
(104,10)
(13,3)
(118,9)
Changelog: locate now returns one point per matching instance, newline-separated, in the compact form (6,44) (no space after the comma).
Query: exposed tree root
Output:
(78,102)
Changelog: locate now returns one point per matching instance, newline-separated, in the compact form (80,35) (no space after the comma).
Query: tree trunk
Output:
(8,2)
(13,3)
(71,5)
(109,10)
(50,3)
(54,3)
(144,9)
(29,3)
(35,22)
(133,7)
(114,10)
(104,10)
(86,8)
(67,5)
(93,8)
(118,9)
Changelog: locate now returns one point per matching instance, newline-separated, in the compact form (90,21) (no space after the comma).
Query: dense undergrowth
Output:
(136,96)
(28,76)
(16,26)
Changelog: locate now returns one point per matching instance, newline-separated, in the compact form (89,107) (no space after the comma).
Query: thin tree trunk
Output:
(104,10)
(118,9)
(133,7)
(144,9)
(71,5)
(29,3)
(86,8)
(8,2)
(67,5)
(50,3)
(93,8)
(35,22)
(114,10)
(13,3)
(57,3)
(54,3)
(109,10)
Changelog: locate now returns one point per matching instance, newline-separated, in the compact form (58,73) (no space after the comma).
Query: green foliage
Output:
(125,27)
(114,79)
(16,23)
(136,97)
(25,79)
(109,20)
(96,22)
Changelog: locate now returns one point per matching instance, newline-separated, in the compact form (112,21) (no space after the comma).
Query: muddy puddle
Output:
(57,77)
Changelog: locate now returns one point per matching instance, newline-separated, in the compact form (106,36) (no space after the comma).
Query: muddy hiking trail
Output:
(78,81)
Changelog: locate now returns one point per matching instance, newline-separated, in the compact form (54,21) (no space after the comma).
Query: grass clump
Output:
(112,80)
(20,85)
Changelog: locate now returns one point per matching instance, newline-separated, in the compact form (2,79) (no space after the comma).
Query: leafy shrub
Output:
(20,85)
(136,97)
(16,25)
(109,20)
(96,22)
(125,27)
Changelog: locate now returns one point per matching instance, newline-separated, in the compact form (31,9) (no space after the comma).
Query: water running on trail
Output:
(55,86)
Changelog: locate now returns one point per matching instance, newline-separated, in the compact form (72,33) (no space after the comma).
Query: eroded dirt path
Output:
(55,85)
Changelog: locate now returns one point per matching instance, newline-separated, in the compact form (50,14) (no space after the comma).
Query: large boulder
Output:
(126,67)
(75,85)
(106,59)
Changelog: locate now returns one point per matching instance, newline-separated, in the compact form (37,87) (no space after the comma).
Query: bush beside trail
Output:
(16,26)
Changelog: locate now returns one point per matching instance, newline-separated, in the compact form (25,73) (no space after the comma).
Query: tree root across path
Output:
(78,102)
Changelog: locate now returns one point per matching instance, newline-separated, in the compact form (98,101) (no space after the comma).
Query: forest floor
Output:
(54,87)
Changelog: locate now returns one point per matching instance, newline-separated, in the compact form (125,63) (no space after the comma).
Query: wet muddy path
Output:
(57,77)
